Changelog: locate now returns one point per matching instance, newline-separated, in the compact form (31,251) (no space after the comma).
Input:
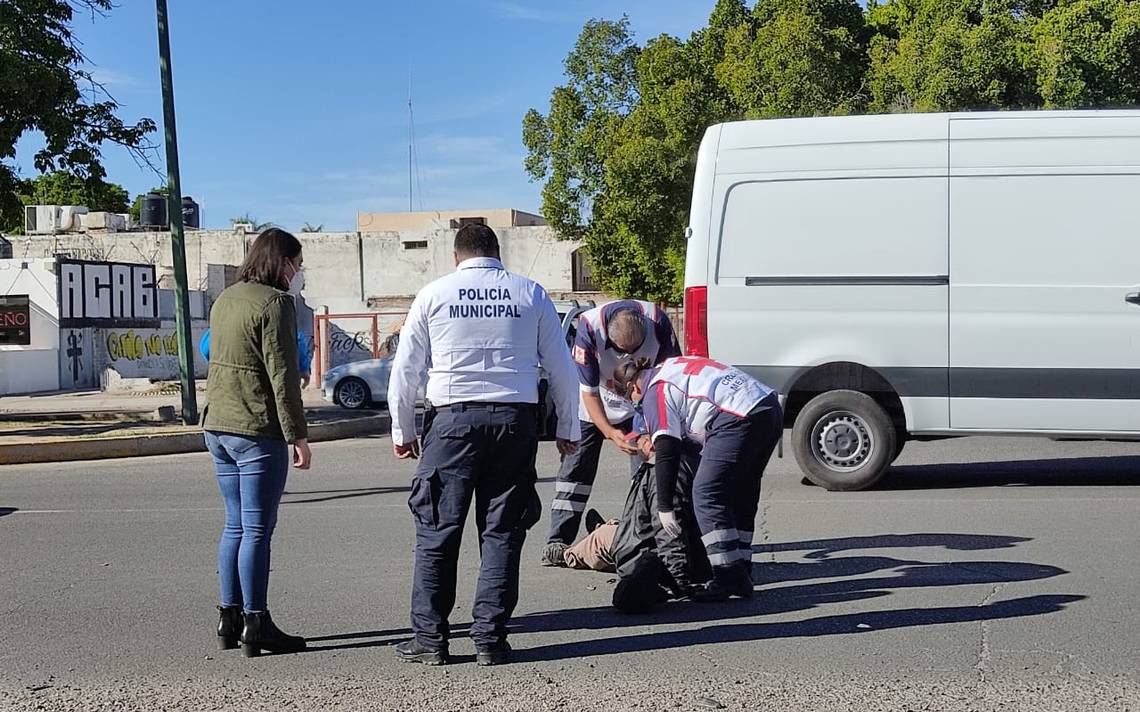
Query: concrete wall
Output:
(441,220)
(145,353)
(345,272)
(399,263)
(85,357)
(32,368)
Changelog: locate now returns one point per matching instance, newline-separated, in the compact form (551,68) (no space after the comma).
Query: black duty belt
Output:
(480,405)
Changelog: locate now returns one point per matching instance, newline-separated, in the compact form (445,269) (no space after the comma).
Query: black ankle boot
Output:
(229,627)
(742,585)
(498,654)
(260,634)
(412,651)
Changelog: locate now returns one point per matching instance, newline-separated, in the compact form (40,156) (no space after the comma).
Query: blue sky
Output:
(297,111)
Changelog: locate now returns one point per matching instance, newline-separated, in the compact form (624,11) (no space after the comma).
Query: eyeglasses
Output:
(622,352)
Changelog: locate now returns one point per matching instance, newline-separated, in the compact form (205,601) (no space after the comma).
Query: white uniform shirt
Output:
(597,359)
(480,335)
(685,393)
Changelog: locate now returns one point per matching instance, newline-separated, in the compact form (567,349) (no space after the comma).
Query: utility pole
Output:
(177,236)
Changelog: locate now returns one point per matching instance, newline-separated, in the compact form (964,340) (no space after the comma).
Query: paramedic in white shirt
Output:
(480,335)
(737,422)
(608,336)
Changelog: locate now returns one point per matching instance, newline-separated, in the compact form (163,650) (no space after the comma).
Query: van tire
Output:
(844,441)
(900,442)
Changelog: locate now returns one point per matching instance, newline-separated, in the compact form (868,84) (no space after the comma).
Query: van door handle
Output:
(1133,298)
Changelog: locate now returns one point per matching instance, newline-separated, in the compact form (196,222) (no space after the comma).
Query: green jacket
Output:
(254,384)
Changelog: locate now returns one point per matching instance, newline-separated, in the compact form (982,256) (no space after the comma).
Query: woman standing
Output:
(253,414)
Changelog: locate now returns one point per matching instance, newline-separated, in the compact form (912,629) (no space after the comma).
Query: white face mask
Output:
(297,282)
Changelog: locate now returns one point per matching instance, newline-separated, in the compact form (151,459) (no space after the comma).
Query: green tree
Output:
(568,146)
(637,243)
(949,55)
(1087,54)
(616,150)
(307,227)
(62,188)
(46,87)
(797,58)
(617,147)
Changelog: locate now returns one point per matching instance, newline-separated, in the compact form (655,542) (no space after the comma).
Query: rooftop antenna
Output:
(413,157)
(411,140)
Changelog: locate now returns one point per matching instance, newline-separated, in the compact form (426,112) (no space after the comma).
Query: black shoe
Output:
(412,651)
(740,584)
(495,655)
(260,634)
(554,554)
(229,627)
(593,520)
(712,592)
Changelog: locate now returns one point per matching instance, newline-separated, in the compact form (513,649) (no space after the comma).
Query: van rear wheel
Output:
(844,441)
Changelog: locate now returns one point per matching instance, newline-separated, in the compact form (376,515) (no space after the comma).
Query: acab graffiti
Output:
(132,347)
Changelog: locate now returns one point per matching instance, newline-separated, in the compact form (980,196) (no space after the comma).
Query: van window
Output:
(835,228)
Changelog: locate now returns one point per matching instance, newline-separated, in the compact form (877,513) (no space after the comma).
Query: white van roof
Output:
(908,143)
(771,133)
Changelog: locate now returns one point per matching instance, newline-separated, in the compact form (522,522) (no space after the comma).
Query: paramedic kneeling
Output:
(737,421)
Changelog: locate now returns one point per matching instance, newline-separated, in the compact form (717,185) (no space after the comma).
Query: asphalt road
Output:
(983,574)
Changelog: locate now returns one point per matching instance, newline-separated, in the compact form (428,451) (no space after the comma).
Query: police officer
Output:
(737,421)
(608,336)
(480,335)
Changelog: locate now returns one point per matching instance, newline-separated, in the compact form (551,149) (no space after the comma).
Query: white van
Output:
(923,276)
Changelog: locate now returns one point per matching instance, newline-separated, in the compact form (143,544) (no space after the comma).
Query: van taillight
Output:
(697,321)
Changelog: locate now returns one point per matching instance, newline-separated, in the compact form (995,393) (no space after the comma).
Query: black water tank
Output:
(153,212)
(191,213)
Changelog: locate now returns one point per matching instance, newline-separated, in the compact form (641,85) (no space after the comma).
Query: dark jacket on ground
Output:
(254,384)
(652,566)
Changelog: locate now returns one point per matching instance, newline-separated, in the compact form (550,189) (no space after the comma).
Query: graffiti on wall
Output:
(348,346)
(107,294)
(76,359)
(134,346)
(146,353)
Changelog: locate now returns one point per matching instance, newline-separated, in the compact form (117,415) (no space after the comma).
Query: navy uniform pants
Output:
(576,481)
(485,452)
(726,487)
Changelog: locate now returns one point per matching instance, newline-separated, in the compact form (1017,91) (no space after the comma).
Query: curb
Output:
(69,450)
(138,416)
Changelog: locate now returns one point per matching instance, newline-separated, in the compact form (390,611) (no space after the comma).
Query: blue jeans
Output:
(251,477)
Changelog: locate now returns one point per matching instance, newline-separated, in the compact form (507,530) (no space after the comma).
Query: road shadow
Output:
(352,493)
(822,548)
(334,495)
(851,583)
(836,579)
(5,511)
(1117,471)
(848,624)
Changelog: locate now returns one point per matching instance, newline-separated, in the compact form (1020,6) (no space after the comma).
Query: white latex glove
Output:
(670,524)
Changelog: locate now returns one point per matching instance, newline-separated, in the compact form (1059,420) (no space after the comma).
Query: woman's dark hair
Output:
(265,263)
(625,375)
